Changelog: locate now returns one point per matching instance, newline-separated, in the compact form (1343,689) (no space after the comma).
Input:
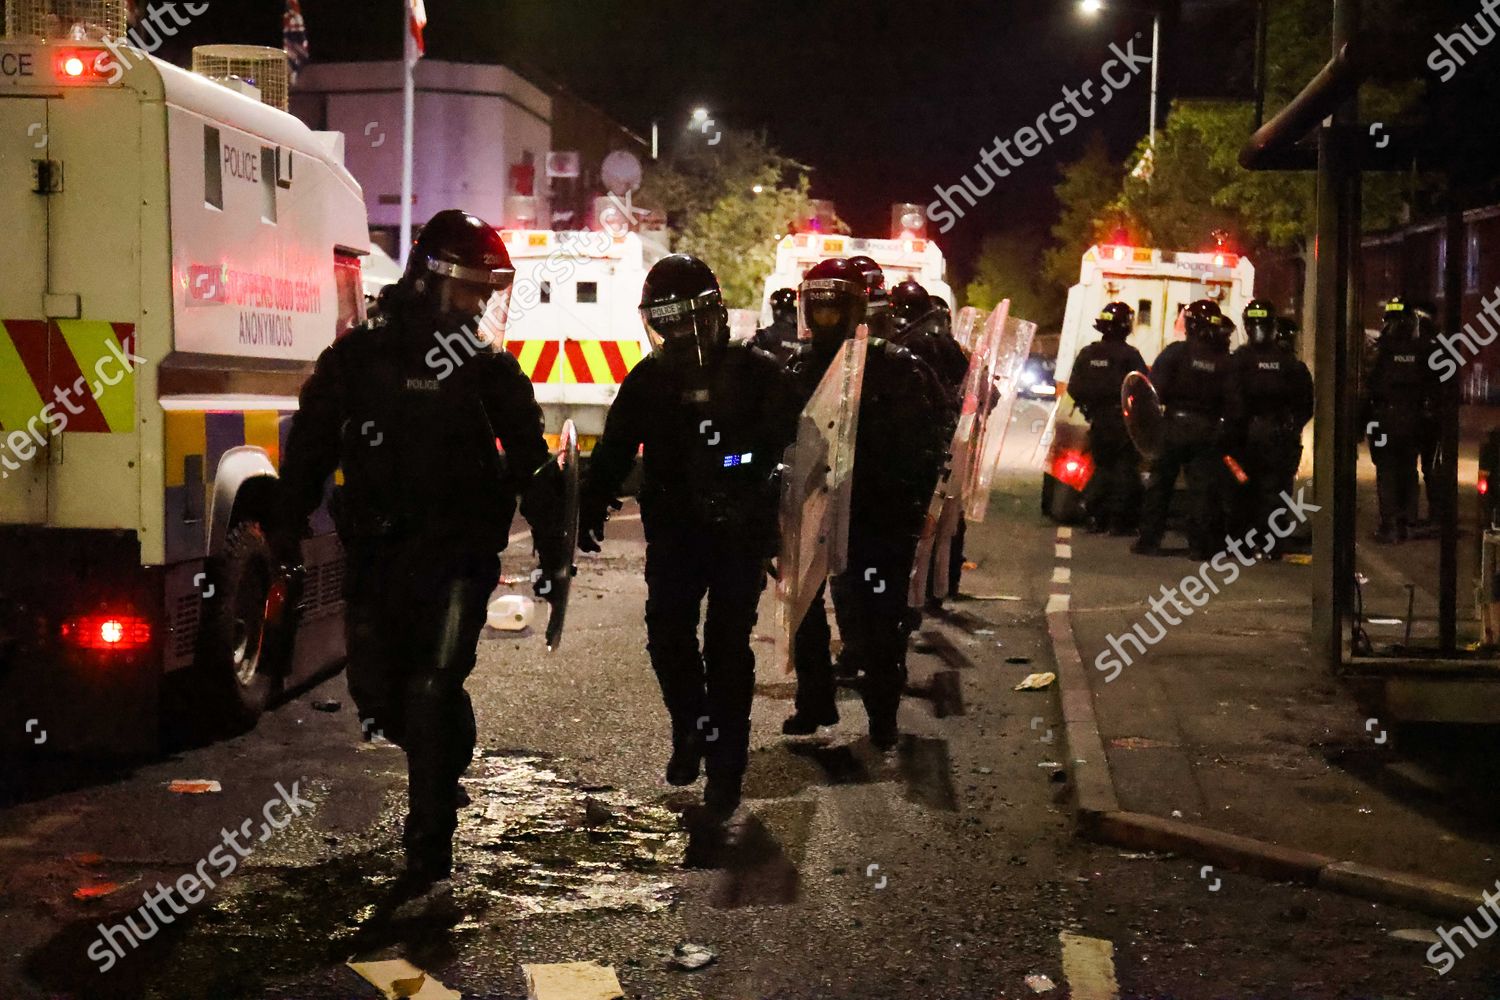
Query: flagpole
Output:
(407,131)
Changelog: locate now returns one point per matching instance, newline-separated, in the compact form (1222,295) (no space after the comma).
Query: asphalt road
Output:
(947,869)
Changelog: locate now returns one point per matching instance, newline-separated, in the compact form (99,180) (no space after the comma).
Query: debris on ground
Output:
(1040,984)
(327,705)
(994,597)
(511,613)
(1036,682)
(398,979)
(195,786)
(572,981)
(690,957)
(1148,855)
(1018,659)
(1419,934)
(99,890)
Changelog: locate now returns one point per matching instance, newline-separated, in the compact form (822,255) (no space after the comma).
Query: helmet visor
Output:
(475,307)
(674,325)
(497,278)
(828,306)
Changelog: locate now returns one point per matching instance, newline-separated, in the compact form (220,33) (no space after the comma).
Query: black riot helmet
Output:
(784,305)
(1286,332)
(1115,321)
(942,315)
(909,304)
(1260,322)
(683,311)
(1405,321)
(460,274)
(872,276)
(1202,321)
(832,299)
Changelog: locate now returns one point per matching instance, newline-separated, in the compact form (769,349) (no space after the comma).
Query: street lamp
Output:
(700,115)
(1093,7)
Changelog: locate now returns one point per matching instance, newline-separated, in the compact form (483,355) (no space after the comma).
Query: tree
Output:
(1006,269)
(1089,193)
(729,203)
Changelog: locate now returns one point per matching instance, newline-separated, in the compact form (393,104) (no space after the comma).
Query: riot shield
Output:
(965,327)
(562,579)
(817,481)
(1144,419)
(1003,349)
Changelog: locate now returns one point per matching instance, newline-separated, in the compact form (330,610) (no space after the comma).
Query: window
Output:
(1471,262)
(213,169)
(268,184)
(545,293)
(1143,313)
(350,290)
(588,291)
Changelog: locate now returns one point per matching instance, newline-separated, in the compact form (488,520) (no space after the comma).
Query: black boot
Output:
(805,723)
(687,759)
(721,796)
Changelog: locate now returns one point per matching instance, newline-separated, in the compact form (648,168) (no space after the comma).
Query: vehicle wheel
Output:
(240,679)
(1067,505)
(1048,489)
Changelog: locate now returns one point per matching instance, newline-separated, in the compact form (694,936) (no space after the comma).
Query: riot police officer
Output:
(1269,399)
(877,307)
(917,327)
(898,454)
(1189,376)
(410,406)
(1429,434)
(1113,496)
(780,338)
(1401,387)
(714,418)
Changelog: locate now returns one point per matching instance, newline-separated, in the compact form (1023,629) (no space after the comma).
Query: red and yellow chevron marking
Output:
(64,367)
(576,362)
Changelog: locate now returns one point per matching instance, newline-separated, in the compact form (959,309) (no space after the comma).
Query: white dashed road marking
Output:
(1057,602)
(1065,552)
(1061,574)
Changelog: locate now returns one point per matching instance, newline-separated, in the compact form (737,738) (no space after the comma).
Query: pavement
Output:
(1226,739)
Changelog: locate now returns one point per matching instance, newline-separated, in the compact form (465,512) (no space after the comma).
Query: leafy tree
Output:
(1089,194)
(729,203)
(1006,269)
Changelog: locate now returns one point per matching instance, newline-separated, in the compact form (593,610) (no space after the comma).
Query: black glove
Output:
(591,523)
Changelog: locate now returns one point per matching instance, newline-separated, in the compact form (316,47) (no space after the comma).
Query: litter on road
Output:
(571,981)
(691,956)
(196,786)
(1036,682)
(398,979)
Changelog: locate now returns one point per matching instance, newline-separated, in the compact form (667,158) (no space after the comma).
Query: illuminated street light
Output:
(1092,7)
(700,115)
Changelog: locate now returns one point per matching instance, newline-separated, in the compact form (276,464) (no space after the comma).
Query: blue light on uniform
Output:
(730,461)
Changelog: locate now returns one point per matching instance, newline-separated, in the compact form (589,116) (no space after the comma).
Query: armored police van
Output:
(178,252)
(1158,285)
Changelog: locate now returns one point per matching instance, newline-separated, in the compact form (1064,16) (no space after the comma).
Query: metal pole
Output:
(1155,73)
(1336,352)
(1447,465)
(654,141)
(407,134)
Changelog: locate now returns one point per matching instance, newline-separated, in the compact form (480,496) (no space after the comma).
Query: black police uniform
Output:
(931,340)
(778,340)
(904,428)
(1429,437)
(424,509)
(713,438)
(1401,388)
(1113,495)
(1189,377)
(1268,400)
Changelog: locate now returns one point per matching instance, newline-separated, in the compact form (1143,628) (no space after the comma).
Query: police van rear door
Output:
(24,365)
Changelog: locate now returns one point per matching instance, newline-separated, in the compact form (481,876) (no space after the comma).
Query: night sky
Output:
(884,100)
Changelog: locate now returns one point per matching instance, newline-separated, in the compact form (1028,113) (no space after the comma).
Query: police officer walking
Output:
(1269,399)
(1189,376)
(425,506)
(714,418)
(1401,387)
(902,434)
(780,338)
(1112,498)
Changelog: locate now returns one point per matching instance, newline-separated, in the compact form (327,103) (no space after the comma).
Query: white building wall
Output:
(472,124)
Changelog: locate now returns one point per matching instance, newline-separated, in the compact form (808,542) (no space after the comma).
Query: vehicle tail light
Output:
(107,633)
(1484,484)
(84,66)
(1075,468)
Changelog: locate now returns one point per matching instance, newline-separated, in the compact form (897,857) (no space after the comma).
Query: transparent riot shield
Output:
(817,482)
(966,326)
(1144,419)
(1004,346)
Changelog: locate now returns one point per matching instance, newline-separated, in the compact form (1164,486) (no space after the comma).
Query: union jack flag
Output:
(294,37)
